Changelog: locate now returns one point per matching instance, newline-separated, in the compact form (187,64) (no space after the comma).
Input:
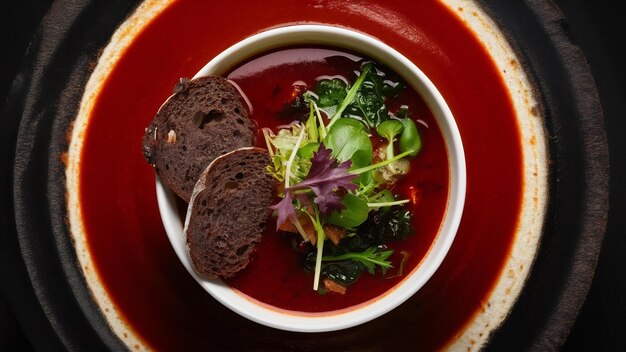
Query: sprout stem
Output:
(320,120)
(380,164)
(296,223)
(293,156)
(268,142)
(350,96)
(387,204)
(321,237)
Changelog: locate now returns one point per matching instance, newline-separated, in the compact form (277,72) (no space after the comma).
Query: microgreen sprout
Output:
(389,130)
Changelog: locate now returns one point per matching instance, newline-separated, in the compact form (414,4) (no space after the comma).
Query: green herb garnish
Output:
(326,165)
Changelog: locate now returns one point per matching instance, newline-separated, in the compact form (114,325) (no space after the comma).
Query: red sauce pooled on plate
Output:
(132,256)
(274,275)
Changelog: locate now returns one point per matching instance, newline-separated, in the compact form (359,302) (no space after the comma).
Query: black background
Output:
(596,26)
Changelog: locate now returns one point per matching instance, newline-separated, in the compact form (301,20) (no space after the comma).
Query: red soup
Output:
(275,275)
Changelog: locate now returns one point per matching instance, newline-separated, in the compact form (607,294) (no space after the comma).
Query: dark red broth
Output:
(275,276)
(132,255)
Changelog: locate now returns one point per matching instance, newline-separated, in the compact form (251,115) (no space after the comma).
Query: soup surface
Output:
(275,276)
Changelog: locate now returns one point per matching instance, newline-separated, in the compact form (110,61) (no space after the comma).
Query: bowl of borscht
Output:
(370,179)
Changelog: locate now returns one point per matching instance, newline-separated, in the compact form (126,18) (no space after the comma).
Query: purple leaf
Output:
(325,176)
(284,209)
(303,200)
(322,160)
(328,202)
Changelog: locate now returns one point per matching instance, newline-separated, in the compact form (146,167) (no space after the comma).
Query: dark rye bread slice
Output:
(228,211)
(205,118)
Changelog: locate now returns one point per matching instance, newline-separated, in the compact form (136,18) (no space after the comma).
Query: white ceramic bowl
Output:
(319,35)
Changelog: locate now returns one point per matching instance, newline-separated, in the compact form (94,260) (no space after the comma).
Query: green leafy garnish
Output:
(381,197)
(344,272)
(344,265)
(352,94)
(306,152)
(371,258)
(384,199)
(369,103)
(326,166)
(349,141)
(326,176)
(384,226)
(311,124)
(281,147)
(352,215)
(410,141)
(389,130)
(331,92)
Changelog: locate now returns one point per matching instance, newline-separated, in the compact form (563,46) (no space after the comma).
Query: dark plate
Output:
(46,284)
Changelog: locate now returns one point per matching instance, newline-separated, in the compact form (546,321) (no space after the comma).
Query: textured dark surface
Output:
(209,117)
(594,26)
(14,36)
(229,211)
(578,207)
(41,278)
(598,28)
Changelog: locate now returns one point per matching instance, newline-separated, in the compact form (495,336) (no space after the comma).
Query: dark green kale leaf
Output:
(345,272)
(372,259)
(331,92)
(386,225)
(296,108)
(345,263)
(392,87)
(369,104)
